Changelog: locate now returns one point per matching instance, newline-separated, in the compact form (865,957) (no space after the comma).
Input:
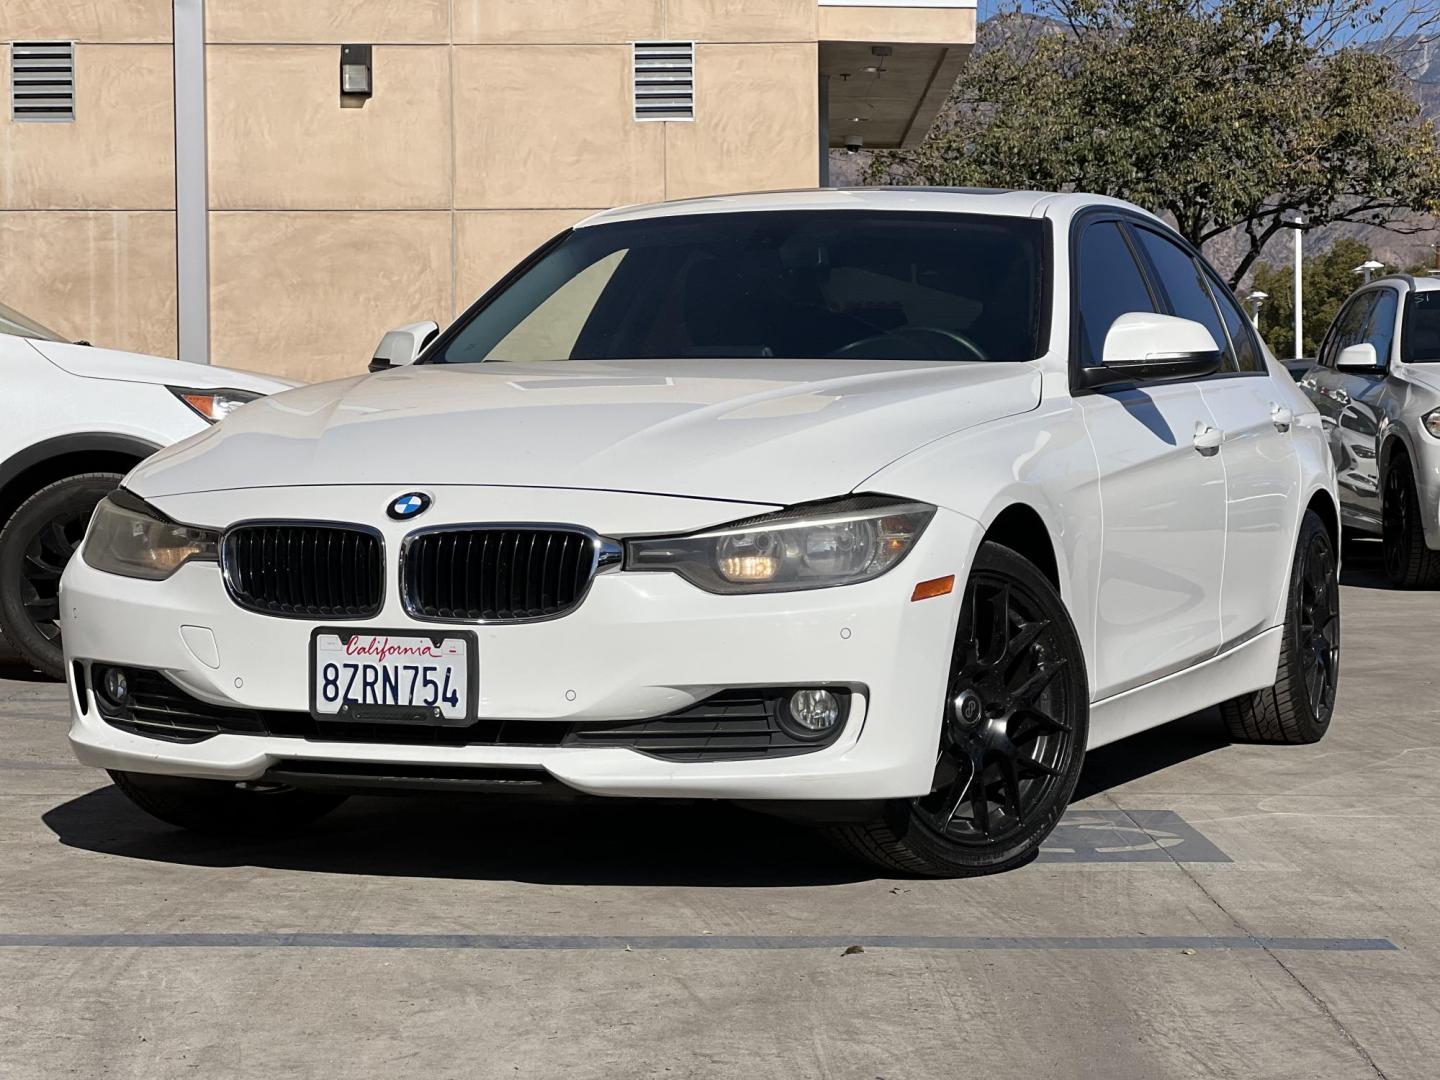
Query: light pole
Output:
(1368,267)
(1253,302)
(1296,221)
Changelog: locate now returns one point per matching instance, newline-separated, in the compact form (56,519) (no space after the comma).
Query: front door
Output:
(1162,535)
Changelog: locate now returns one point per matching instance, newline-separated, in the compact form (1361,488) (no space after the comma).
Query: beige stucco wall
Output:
(755,126)
(557,22)
(897,25)
(85,20)
(373,21)
(309,293)
(105,276)
(278,138)
(541,126)
(119,153)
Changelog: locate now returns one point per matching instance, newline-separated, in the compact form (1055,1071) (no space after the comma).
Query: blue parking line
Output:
(582,943)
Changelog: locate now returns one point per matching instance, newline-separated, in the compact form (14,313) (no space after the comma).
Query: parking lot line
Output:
(585,942)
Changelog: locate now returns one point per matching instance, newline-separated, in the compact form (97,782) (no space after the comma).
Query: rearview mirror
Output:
(1359,357)
(1146,345)
(402,345)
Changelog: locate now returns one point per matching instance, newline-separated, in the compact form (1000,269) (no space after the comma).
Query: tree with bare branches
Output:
(1219,114)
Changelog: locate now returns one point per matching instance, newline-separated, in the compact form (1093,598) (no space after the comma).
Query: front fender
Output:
(1042,460)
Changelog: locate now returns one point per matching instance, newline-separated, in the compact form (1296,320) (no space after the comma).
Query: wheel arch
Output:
(1323,503)
(1021,528)
(42,463)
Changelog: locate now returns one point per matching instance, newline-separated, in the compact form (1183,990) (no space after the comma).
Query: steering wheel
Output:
(924,336)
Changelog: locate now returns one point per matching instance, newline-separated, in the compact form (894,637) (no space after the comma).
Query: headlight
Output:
(129,538)
(811,546)
(1432,422)
(213,405)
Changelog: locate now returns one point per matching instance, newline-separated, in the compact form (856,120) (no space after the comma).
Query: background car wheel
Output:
(1409,564)
(1012,739)
(35,545)
(1298,707)
(221,808)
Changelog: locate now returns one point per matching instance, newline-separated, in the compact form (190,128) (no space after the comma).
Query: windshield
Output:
(1420,342)
(793,284)
(17,325)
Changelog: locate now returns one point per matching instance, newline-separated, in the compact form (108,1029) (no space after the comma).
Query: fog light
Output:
(814,712)
(117,688)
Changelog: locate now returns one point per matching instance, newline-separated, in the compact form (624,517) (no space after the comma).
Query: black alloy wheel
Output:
(1297,708)
(1012,737)
(1409,563)
(37,542)
(1318,627)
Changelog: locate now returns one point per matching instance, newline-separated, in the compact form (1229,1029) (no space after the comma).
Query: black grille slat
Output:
(305,571)
(481,574)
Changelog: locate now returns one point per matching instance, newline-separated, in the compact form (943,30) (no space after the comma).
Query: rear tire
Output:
(220,808)
(1012,737)
(1409,563)
(1298,707)
(36,544)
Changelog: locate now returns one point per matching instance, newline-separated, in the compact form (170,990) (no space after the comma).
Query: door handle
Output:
(1207,437)
(1281,417)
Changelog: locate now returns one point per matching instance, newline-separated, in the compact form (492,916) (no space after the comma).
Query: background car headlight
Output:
(214,405)
(1432,422)
(811,546)
(128,537)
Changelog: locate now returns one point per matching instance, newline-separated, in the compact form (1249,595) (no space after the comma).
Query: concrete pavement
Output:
(1206,910)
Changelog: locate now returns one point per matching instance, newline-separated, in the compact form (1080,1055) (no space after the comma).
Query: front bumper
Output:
(640,645)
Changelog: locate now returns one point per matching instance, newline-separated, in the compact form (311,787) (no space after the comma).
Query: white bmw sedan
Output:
(873,508)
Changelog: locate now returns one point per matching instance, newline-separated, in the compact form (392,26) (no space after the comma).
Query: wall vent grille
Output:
(664,80)
(42,81)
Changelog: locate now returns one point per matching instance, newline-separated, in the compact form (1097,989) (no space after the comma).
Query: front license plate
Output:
(373,675)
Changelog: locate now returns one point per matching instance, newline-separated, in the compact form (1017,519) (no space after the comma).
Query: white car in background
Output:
(874,508)
(73,420)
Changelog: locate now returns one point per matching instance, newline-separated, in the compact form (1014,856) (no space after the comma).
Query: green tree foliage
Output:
(1220,114)
(1328,279)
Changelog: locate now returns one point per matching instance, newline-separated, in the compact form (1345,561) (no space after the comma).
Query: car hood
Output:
(743,430)
(92,363)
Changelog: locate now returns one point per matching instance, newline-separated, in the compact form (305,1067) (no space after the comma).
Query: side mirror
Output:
(402,345)
(1145,345)
(1359,357)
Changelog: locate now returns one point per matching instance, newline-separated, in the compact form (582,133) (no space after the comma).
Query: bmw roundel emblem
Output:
(409,505)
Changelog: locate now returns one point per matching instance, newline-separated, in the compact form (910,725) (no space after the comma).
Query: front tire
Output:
(1012,738)
(36,543)
(1409,563)
(1298,707)
(220,808)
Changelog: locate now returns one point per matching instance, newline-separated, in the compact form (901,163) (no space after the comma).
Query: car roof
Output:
(1416,282)
(916,199)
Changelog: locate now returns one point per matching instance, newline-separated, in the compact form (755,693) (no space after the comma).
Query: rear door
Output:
(1162,537)
(1262,474)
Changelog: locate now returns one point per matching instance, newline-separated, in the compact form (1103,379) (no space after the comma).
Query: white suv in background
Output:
(74,420)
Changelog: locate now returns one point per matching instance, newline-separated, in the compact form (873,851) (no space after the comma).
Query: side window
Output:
(1108,284)
(1184,284)
(1349,327)
(1242,337)
(1380,326)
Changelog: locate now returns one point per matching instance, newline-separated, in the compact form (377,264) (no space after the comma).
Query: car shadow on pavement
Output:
(469,837)
(1362,565)
(591,842)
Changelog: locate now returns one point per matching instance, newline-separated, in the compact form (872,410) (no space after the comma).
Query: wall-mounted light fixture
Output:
(357,79)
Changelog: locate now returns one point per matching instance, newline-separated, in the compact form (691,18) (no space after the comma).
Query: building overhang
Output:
(888,67)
